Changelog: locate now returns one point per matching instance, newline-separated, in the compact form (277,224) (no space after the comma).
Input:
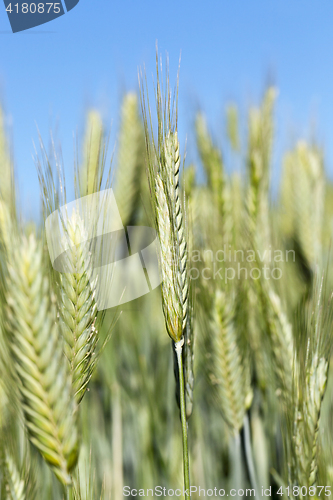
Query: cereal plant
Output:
(93,403)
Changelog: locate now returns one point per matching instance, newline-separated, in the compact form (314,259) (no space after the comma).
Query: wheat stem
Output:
(179,349)
(237,462)
(70,493)
(249,457)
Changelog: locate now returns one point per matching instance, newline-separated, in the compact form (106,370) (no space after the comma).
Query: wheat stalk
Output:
(37,351)
(188,361)
(163,175)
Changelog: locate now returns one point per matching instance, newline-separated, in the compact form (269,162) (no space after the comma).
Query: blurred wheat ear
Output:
(302,199)
(211,158)
(230,368)
(233,127)
(314,342)
(7,180)
(41,369)
(260,143)
(15,488)
(7,188)
(90,174)
(18,481)
(276,324)
(130,163)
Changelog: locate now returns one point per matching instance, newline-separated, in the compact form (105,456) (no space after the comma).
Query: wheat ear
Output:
(233,127)
(90,175)
(230,370)
(170,164)
(307,418)
(303,202)
(15,483)
(78,309)
(130,164)
(217,181)
(259,154)
(40,365)
(260,143)
(281,340)
(6,168)
(212,161)
(314,347)
(170,226)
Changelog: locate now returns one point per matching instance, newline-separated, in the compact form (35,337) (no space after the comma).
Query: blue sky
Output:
(52,74)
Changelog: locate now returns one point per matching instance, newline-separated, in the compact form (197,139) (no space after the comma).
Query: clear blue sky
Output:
(52,74)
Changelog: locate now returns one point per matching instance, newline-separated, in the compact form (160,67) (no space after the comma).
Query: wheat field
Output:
(219,379)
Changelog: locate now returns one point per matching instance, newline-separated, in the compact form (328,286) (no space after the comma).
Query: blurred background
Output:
(51,75)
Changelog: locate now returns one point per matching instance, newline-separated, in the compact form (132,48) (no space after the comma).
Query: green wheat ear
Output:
(230,373)
(233,127)
(310,374)
(7,191)
(260,143)
(170,300)
(279,330)
(41,369)
(6,169)
(130,164)
(78,308)
(303,186)
(211,158)
(93,150)
(163,169)
(15,488)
